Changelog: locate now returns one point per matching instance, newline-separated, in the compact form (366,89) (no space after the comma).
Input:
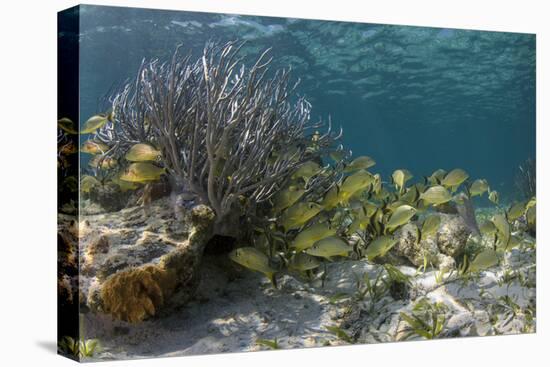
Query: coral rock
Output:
(452,236)
(409,247)
(134,294)
(139,263)
(439,250)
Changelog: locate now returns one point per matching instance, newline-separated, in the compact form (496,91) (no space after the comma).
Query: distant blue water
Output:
(411,97)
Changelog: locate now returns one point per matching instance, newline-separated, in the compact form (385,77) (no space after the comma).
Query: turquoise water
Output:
(411,97)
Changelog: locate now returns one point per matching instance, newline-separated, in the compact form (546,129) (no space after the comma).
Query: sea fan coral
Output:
(231,135)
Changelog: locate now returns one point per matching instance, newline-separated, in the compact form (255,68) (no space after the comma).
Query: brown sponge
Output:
(137,293)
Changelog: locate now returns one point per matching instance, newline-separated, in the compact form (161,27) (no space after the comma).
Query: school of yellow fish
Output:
(308,229)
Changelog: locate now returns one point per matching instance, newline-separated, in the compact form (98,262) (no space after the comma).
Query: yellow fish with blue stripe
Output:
(253,259)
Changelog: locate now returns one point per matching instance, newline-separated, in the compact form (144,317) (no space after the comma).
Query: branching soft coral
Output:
(231,135)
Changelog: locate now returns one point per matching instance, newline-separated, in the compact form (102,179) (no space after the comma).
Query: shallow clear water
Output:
(411,97)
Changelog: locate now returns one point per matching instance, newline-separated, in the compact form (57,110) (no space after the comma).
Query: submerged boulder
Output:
(137,263)
(439,250)
(452,235)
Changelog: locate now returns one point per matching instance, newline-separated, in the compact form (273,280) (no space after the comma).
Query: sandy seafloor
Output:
(232,310)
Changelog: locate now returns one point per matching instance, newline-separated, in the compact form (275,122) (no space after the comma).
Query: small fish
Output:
(493,196)
(303,262)
(362,217)
(298,215)
(401,216)
(95,122)
(88,182)
(331,199)
(377,183)
(102,162)
(478,187)
(484,260)
(253,259)
(67,125)
(411,195)
(328,247)
(514,242)
(382,195)
(396,204)
(94,147)
(516,211)
(421,187)
(430,226)
(287,197)
(306,171)
(312,234)
(124,185)
(377,221)
(488,228)
(455,178)
(359,223)
(68,148)
(369,208)
(260,241)
(503,229)
(421,206)
(379,247)
(363,162)
(358,197)
(436,195)
(142,172)
(437,177)
(357,181)
(400,178)
(142,153)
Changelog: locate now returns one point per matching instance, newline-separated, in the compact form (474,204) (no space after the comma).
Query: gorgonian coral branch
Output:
(224,129)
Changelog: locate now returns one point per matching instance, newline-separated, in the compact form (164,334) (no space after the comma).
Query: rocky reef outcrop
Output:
(439,250)
(142,261)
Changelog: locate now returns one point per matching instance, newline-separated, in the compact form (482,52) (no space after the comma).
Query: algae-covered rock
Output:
(139,262)
(452,235)
(438,250)
(417,252)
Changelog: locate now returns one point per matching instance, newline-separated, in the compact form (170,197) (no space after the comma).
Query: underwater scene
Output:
(233,183)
